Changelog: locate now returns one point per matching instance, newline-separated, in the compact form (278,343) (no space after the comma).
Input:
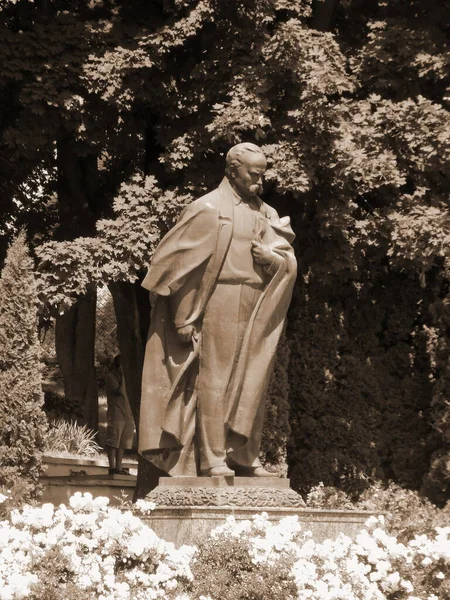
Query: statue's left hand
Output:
(262,254)
(186,333)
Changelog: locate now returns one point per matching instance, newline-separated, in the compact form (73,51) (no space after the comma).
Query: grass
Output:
(73,439)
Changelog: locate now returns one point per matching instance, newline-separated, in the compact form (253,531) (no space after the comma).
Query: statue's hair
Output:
(235,156)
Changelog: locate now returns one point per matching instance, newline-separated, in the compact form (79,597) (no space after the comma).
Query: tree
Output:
(23,423)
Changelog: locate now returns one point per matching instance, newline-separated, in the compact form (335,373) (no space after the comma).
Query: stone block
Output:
(188,508)
(65,466)
(189,525)
(226,482)
(58,490)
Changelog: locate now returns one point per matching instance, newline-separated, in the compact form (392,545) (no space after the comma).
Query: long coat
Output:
(184,271)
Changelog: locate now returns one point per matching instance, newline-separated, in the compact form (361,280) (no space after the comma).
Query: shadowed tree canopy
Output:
(117,115)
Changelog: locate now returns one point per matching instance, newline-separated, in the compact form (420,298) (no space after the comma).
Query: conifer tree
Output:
(22,421)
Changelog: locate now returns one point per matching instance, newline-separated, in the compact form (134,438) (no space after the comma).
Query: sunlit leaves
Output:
(287,168)
(22,421)
(341,129)
(420,233)
(243,115)
(121,250)
(300,8)
(310,58)
(398,53)
(360,158)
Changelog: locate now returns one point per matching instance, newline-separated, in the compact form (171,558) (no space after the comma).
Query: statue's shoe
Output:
(244,471)
(261,472)
(220,471)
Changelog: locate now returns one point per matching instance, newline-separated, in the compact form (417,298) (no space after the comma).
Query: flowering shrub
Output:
(249,559)
(90,551)
(407,513)
(101,551)
(373,567)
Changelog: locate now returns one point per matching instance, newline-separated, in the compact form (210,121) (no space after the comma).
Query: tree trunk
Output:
(131,338)
(79,201)
(132,310)
(75,351)
(323,14)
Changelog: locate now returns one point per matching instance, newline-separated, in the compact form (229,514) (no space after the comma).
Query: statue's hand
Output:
(186,333)
(262,254)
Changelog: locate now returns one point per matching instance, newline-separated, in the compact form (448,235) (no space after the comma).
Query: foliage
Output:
(23,423)
(59,407)
(104,553)
(112,555)
(276,424)
(53,581)
(407,514)
(64,436)
(225,568)
(328,497)
(120,251)
(364,388)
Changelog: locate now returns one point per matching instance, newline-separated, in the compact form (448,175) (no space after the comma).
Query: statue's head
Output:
(245,167)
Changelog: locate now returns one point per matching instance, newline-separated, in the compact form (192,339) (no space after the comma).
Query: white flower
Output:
(391,583)
(144,506)
(407,585)
(373,521)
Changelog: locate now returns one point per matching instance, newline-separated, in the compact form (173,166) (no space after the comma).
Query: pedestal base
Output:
(246,492)
(188,508)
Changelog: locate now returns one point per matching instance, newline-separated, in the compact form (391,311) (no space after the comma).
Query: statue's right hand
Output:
(186,333)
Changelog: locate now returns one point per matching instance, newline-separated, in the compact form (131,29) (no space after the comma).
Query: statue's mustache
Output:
(255,188)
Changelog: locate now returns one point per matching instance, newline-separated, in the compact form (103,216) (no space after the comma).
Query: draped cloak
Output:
(183,273)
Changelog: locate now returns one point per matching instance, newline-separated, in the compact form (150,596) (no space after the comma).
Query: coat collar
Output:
(226,188)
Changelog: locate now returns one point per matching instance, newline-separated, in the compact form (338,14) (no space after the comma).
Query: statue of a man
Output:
(223,277)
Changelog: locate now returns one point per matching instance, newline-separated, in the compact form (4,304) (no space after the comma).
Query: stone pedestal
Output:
(189,507)
(66,475)
(58,490)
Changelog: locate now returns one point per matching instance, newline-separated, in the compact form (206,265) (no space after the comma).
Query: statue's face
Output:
(247,178)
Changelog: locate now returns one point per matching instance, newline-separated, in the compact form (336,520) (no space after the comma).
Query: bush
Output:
(360,380)
(407,514)
(108,554)
(22,421)
(105,553)
(53,583)
(59,407)
(225,568)
(64,436)
(276,423)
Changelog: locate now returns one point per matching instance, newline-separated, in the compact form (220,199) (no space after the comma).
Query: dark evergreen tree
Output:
(23,423)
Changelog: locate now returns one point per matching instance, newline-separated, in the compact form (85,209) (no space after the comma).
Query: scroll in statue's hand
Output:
(262,254)
(186,333)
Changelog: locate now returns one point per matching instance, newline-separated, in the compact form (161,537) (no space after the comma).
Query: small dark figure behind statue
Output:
(120,431)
